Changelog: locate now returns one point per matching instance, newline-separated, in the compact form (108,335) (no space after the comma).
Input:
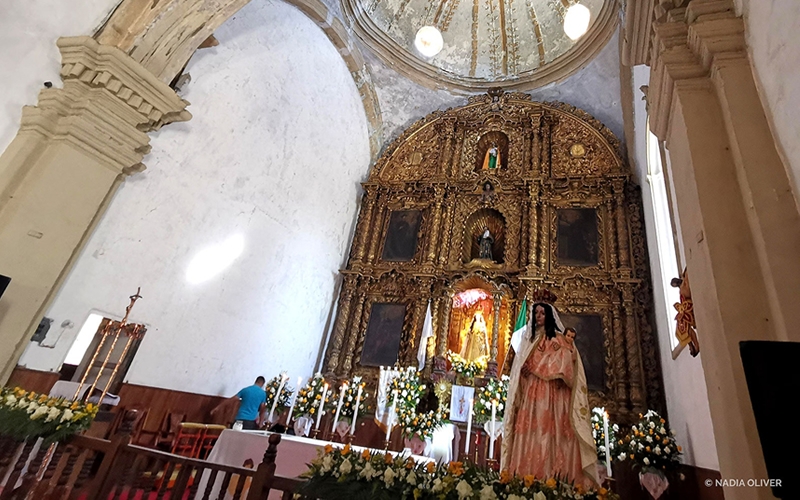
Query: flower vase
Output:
(415,443)
(302,425)
(654,482)
(602,472)
(342,428)
(498,429)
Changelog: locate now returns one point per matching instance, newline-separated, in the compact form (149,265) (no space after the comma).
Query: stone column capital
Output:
(106,107)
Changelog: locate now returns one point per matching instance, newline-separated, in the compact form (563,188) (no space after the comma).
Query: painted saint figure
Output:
(547,425)
(485,242)
(492,158)
(477,342)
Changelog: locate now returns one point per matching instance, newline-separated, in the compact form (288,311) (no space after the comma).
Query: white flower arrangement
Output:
(495,390)
(342,473)
(598,434)
(308,397)
(650,444)
(25,415)
(467,369)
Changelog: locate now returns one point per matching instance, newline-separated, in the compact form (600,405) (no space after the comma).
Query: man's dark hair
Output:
(260,380)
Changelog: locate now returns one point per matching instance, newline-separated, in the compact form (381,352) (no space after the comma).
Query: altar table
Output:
(294,453)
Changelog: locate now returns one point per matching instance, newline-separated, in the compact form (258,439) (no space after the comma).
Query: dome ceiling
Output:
(517,44)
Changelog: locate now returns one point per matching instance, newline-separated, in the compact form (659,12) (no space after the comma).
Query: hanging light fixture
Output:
(429,41)
(576,21)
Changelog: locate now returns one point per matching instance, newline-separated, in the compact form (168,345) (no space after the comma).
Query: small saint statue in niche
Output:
(492,158)
(485,242)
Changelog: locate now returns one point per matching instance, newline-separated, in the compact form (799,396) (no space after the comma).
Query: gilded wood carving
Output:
(557,159)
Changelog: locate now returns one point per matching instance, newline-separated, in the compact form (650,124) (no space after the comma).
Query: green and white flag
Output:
(520,326)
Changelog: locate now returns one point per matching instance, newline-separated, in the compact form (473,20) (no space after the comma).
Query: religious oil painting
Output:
(589,340)
(578,239)
(384,330)
(400,243)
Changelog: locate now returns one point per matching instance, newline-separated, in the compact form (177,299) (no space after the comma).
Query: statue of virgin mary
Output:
(547,425)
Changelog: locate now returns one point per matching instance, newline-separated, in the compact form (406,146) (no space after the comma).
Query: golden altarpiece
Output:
(473,209)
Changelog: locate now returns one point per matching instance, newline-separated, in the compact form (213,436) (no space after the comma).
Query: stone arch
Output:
(163,36)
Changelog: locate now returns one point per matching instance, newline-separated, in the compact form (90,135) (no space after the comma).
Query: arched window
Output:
(665,236)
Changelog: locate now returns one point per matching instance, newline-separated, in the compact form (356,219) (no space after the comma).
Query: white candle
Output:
(284,378)
(291,408)
(390,421)
(355,411)
(469,428)
(321,406)
(608,451)
(339,407)
(491,439)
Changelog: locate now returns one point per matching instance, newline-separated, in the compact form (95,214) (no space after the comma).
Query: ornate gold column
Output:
(363,227)
(491,369)
(339,328)
(376,227)
(353,333)
(623,238)
(445,235)
(620,366)
(439,363)
(533,228)
(436,226)
(59,173)
(611,231)
(632,351)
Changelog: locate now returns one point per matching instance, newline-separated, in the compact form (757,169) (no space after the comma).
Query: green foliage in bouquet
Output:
(650,445)
(271,389)
(495,390)
(310,396)
(599,435)
(343,473)
(467,369)
(25,415)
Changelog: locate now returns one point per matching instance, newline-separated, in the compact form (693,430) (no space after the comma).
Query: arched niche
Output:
(477,223)
(494,138)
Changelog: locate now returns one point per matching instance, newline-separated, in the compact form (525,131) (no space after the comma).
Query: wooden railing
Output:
(92,469)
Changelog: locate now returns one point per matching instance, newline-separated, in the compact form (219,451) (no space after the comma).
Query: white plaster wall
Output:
(275,151)
(771,28)
(684,379)
(595,89)
(28,53)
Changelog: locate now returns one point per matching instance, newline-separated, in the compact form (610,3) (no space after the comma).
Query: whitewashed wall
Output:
(771,29)
(29,56)
(684,379)
(275,151)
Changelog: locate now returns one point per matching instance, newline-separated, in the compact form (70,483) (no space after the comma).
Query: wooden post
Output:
(262,480)
(112,469)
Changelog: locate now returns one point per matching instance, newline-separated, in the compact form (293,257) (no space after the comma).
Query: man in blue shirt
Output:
(253,399)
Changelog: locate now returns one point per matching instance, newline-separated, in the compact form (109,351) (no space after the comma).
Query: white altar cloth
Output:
(294,453)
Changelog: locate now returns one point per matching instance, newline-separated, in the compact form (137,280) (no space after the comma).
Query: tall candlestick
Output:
(469,427)
(284,378)
(608,451)
(291,408)
(491,439)
(390,421)
(355,411)
(339,407)
(321,406)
